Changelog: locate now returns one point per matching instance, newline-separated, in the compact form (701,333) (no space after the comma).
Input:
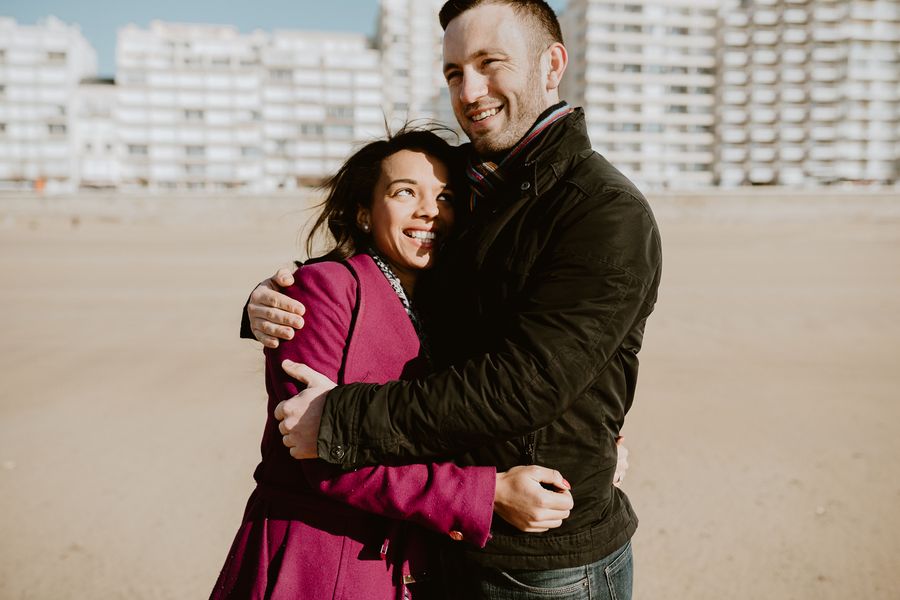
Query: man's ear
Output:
(557,60)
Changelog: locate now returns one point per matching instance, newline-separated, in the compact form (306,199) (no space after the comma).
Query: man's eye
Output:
(451,76)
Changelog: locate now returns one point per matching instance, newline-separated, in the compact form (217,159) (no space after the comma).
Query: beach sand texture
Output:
(765,438)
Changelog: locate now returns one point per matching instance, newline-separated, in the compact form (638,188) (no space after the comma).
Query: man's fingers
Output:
(284,276)
(550,477)
(272,330)
(306,374)
(266,340)
(260,309)
(279,412)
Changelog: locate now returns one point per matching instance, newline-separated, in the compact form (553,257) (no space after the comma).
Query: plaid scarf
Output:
(487,177)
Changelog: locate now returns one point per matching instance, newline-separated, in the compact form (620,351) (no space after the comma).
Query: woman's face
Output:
(411,212)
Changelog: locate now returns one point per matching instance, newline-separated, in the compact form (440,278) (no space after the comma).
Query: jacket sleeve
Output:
(582,297)
(439,496)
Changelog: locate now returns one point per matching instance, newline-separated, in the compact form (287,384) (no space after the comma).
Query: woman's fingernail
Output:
(567,484)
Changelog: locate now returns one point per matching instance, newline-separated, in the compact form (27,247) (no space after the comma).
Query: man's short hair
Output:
(537,10)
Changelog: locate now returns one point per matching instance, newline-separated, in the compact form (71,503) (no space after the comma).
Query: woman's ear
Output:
(362,219)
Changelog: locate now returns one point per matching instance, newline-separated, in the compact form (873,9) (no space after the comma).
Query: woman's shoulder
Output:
(331,277)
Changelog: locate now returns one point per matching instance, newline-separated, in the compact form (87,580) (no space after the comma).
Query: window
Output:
(137,149)
(195,150)
(2,128)
(2,89)
(311,129)
(193,115)
(56,128)
(195,169)
(281,74)
(340,112)
(56,57)
(250,152)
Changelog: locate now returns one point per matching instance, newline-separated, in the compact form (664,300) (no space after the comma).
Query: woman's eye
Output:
(446,197)
(404,192)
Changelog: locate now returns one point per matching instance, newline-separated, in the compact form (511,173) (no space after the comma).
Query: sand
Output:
(764,441)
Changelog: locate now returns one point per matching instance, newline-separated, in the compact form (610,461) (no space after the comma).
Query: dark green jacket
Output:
(539,307)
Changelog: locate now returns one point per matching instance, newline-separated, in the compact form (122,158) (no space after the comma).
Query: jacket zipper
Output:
(529,447)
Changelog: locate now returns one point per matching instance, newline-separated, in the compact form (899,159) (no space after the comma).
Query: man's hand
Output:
(273,315)
(523,501)
(621,462)
(300,416)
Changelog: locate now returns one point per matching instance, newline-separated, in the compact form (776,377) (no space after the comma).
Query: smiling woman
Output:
(309,528)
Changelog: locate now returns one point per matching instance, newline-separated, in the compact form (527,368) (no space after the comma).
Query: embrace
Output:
(448,383)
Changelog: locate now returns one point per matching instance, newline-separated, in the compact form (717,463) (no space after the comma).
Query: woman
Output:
(310,530)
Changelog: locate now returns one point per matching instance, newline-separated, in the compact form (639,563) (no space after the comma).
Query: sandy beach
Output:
(765,437)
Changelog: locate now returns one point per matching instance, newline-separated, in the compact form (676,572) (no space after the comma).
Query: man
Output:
(538,308)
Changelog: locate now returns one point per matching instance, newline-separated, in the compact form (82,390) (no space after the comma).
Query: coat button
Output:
(456,535)
(337,453)
(525,186)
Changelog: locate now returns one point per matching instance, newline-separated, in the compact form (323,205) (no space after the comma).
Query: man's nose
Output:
(473,88)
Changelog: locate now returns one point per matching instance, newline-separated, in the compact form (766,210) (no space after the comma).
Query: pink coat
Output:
(312,531)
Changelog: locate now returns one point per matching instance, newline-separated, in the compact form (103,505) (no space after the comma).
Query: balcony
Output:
(792,154)
(734,97)
(765,18)
(763,155)
(793,114)
(795,95)
(764,96)
(793,134)
(762,135)
(795,16)
(734,136)
(734,155)
(735,38)
(823,134)
(765,57)
(762,175)
(765,76)
(763,115)
(793,75)
(765,37)
(794,36)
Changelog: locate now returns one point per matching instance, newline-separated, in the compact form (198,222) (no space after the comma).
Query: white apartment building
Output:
(644,71)
(189,107)
(409,38)
(207,107)
(40,67)
(94,135)
(808,92)
(321,96)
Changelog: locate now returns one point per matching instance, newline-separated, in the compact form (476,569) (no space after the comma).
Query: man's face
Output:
(493,71)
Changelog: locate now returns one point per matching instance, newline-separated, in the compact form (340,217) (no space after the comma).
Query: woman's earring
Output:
(365,227)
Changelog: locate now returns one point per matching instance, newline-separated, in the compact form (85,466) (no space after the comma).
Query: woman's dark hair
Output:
(351,187)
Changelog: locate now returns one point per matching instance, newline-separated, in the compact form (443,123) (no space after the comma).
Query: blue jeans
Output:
(610,578)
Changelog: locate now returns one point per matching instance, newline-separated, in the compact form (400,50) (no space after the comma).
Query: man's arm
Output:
(584,297)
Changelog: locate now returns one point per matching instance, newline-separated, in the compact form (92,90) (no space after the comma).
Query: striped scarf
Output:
(487,177)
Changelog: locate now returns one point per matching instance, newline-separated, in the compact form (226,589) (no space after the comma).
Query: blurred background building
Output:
(677,93)
(41,67)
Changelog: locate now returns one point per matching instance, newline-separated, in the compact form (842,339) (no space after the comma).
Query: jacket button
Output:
(337,452)
(456,535)
(525,186)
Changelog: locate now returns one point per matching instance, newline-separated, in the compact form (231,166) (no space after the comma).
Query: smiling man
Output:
(536,310)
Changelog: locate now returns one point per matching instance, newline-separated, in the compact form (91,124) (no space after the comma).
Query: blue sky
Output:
(99,19)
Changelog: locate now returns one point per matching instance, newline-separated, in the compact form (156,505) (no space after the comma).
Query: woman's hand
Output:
(523,500)
(274,316)
(621,461)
